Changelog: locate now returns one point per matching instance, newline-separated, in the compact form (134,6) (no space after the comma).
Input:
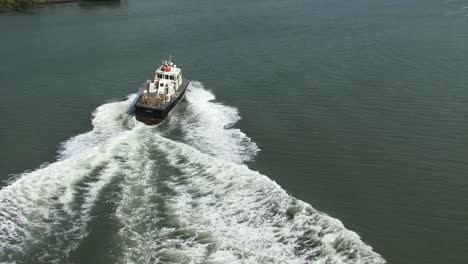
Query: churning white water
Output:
(185,201)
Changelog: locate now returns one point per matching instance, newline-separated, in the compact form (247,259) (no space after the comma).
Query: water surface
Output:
(359,109)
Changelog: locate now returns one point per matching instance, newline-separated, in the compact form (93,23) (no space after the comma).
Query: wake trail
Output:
(210,127)
(181,199)
(213,209)
(44,213)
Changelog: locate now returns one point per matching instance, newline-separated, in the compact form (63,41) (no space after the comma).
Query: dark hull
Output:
(152,115)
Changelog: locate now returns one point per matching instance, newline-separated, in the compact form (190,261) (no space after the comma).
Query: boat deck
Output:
(154,101)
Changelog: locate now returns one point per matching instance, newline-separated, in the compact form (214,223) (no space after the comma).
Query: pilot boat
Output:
(157,97)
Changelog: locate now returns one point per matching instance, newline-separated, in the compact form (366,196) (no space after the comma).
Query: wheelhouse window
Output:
(171,77)
(159,75)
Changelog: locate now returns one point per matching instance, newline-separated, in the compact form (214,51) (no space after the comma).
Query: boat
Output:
(157,97)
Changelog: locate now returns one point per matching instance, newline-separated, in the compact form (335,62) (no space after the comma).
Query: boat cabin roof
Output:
(168,69)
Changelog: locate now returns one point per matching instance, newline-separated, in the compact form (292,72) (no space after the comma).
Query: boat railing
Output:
(155,100)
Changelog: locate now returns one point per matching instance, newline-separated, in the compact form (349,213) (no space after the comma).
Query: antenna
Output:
(170,58)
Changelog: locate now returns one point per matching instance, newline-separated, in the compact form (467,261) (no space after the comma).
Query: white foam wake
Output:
(108,120)
(222,212)
(43,214)
(209,127)
(213,210)
(180,202)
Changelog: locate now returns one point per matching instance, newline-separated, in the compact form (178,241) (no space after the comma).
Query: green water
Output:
(360,109)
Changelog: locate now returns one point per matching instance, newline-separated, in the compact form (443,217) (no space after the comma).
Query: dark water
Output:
(360,109)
